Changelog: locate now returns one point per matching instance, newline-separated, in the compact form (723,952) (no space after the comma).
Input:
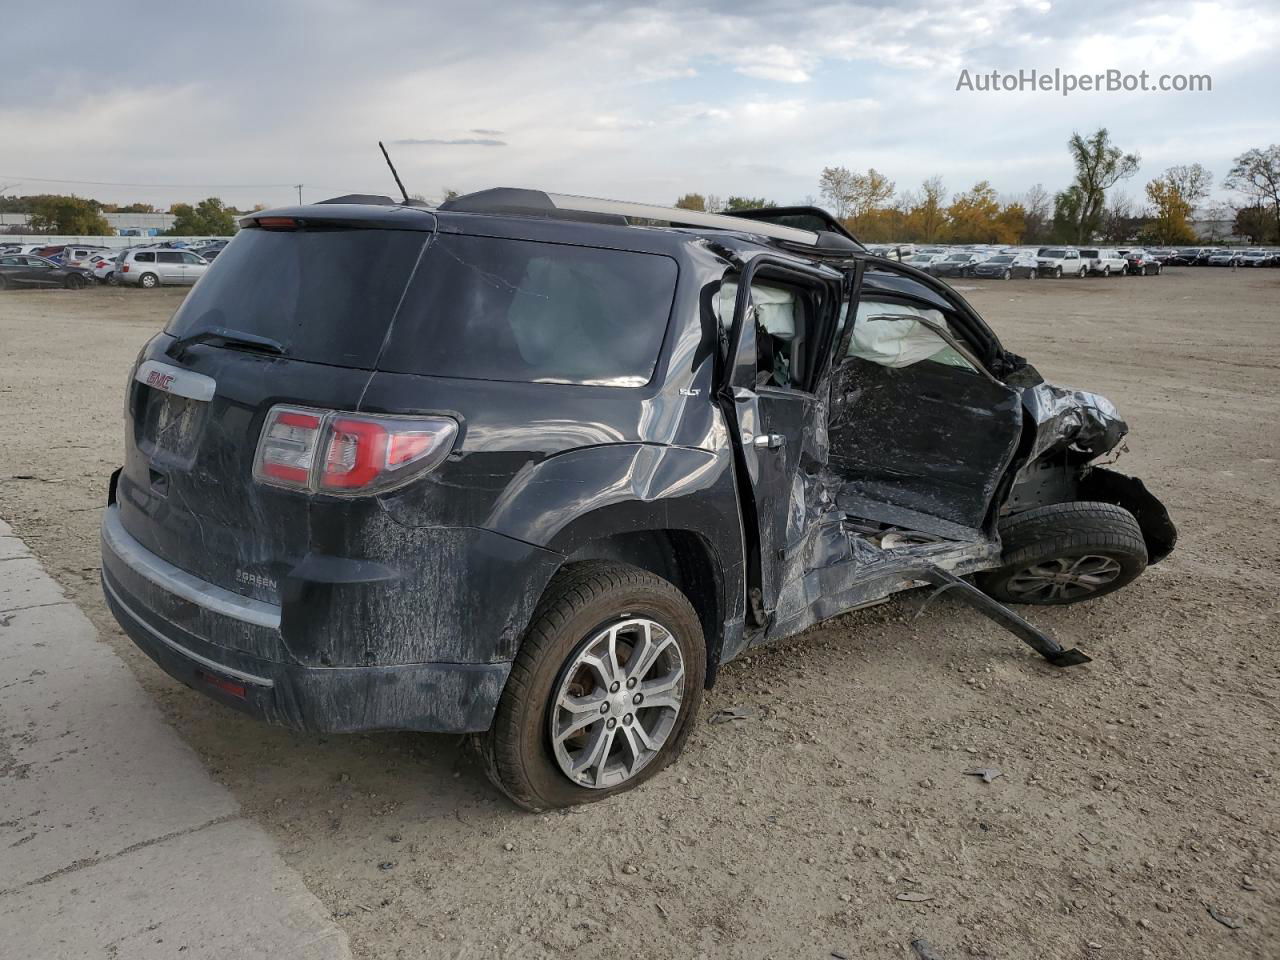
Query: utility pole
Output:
(299,186)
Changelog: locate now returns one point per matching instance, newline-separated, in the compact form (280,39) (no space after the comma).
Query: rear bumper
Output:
(166,612)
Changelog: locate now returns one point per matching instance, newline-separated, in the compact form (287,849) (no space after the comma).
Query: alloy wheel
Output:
(617,702)
(1064,578)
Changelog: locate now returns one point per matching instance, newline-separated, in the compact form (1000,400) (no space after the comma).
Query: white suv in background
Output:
(156,266)
(1060,261)
(1105,262)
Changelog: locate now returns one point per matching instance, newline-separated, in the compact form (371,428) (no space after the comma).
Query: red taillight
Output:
(322,451)
(125,268)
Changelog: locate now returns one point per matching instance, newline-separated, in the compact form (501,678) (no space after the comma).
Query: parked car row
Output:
(28,270)
(71,266)
(1067,261)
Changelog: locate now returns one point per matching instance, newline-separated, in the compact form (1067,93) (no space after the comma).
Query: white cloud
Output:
(751,97)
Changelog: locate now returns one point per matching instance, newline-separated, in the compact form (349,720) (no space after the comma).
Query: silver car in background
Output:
(160,266)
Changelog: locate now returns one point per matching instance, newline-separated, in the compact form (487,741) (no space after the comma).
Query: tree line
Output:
(1088,209)
(84,217)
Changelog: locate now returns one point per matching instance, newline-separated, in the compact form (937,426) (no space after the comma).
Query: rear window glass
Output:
(495,309)
(327,296)
(145,258)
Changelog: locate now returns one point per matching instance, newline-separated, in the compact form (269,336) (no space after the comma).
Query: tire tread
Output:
(575,586)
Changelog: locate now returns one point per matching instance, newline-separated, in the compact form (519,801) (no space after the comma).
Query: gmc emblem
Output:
(160,381)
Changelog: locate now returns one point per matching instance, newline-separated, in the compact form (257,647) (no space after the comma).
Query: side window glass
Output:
(145,258)
(892,335)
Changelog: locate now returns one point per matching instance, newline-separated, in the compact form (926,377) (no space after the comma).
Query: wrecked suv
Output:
(534,467)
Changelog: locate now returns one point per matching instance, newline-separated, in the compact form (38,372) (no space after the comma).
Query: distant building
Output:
(122,224)
(1216,231)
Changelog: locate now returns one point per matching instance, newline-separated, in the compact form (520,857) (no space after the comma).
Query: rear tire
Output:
(1057,273)
(149,281)
(1008,275)
(1066,553)
(74,281)
(1106,271)
(590,607)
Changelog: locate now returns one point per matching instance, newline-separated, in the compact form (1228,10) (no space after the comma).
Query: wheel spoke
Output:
(582,711)
(601,666)
(639,745)
(666,691)
(596,753)
(646,653)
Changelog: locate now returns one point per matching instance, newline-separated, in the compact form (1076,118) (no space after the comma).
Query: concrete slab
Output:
(206,894)
(114,839)
(24,584)
(92,768)
(11,547)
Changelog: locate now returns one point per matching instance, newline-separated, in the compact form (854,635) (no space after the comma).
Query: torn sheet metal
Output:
(1072,418)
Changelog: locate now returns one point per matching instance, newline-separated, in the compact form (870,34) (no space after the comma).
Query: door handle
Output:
(769,441)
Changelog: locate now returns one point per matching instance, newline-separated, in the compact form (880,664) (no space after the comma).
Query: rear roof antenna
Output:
(404,193)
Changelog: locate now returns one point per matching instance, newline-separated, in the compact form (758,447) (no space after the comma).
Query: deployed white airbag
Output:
(885,333)
(775,309)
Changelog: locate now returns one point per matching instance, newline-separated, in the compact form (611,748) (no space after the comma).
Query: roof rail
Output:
(693,218)
(537,203)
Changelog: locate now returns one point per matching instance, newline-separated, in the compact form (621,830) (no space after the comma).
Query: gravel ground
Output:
(1137,793)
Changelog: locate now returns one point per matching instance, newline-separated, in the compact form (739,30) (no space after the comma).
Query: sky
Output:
(636,102)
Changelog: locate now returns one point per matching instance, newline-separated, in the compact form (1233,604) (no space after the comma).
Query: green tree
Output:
(1100,165)
(692,201)
(208,218)
(1066,214)
(1256,173)
(128,208)
(67,215)
(1257,224)
(747,203)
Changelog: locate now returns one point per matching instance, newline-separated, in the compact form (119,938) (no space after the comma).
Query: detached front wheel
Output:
(604,691)
(1066,553)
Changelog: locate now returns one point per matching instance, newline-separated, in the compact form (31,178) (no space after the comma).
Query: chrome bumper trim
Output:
(180,583)
(219,668)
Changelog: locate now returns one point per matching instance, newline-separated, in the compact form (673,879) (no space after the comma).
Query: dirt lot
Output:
(1136,793)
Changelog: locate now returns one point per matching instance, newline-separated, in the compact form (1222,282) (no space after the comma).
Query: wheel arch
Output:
(684,558)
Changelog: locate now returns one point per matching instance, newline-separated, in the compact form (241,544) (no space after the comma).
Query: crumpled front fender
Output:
(1108,486)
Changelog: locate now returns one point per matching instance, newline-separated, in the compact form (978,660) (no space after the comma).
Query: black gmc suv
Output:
(534,467)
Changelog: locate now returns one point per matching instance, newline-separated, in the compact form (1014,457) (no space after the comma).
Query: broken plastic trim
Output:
(997,612)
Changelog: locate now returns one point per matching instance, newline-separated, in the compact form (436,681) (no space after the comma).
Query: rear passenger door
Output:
(40,272)
(193,267)
(779,350)
(169,266)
